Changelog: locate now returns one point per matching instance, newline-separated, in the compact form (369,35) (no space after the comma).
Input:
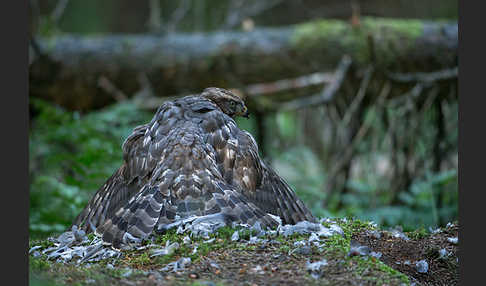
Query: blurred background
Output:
(354,103)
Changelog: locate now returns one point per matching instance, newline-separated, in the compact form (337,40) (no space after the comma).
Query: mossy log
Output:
(71,67)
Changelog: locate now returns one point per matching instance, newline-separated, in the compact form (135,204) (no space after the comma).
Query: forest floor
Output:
(362,255)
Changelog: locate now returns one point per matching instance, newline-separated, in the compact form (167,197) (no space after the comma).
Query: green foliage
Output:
(286,124)
(70,156)
(302,171)
(417,206)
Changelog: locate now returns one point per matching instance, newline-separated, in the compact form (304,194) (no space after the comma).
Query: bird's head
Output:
(227,101)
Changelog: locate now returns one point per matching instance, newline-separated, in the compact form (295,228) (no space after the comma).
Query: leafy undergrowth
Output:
(282,260)
(70,157)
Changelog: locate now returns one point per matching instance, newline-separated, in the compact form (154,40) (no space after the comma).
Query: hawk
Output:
(191,159)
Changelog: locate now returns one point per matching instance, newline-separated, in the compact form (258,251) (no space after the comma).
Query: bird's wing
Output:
(185,179)
(263,185)
(105,202)
(115,192)
(141,151)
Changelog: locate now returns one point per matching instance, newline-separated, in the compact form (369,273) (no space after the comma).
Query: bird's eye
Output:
(232,103)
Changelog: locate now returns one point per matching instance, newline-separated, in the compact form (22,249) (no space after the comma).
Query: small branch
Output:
(258,89)
(178,15)
(111,89)
(424,77)
(327,93)
(359,96)
(36,48)
(347,155)
(415,92)
(154,16)
(59,10)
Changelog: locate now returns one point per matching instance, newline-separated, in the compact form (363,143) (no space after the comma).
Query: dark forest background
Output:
(354,103)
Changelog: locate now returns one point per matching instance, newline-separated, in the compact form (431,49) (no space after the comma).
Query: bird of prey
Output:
(190,160)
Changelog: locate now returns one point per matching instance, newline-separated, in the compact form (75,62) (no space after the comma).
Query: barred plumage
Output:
(190,159)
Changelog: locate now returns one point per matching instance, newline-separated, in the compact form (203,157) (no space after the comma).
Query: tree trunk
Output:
(70,72)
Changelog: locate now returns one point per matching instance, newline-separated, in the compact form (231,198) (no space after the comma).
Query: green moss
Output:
(418,233)
(340,37)
(38,263)
(43,243)
(141,260)
(406,27)
(284,248)
(372,265)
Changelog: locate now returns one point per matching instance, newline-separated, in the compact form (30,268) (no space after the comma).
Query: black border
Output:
(471,141)
(14,137)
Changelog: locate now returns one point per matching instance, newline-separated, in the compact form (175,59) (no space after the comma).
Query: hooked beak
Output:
(246,114)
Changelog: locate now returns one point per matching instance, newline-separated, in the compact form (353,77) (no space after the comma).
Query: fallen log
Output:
(73,71)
